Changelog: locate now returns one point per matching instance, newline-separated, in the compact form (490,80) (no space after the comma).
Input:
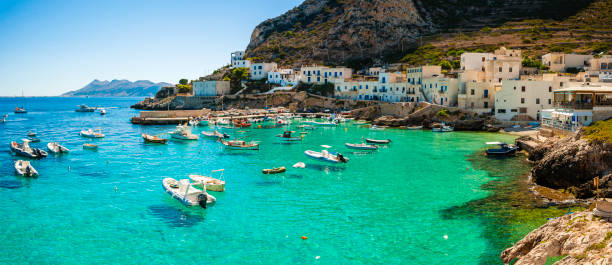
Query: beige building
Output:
(560,62)
(477,97)
(441,90)
(414,79)
(523,99)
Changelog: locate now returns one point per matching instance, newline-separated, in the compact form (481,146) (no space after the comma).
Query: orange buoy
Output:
(304,237)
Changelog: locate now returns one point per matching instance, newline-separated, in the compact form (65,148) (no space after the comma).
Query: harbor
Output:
(122,181)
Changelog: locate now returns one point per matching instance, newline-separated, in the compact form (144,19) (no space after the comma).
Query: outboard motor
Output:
(202,199)
(341,158)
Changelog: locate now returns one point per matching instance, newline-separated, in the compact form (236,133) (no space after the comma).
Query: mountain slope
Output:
(359,32)
(118,88)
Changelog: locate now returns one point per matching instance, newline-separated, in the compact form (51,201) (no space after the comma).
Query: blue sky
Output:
(50,47)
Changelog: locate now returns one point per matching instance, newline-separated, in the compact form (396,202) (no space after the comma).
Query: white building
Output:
(474,60)
(237,60)
(211,88)
(283,77)
(560,62)
(375,71)
(523,100)
(578,106)
(324,74)
(601,68)
(503,64)
(389,87)
(260,71)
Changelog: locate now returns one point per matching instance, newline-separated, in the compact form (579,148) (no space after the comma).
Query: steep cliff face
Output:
(359,31)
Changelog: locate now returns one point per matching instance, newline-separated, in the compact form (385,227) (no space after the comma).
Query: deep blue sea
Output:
(108,206)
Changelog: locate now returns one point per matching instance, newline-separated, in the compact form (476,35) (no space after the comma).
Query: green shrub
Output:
(443,113)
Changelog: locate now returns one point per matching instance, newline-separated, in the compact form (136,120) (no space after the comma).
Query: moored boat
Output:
(377,128)
(442,128)
(275,170)
(31,134)
(503,150)
(375,141)
(183,132)
(25,169)
(153,139)
(90,133)
(240,145)
(84,108)
(24,149)
(414,127)
(215,134)
(361,146)
(323,123)
(56,148)
(211,183)
(19,110)
(90,146)
(33,139)
(326,156)
(286,137)
(102,112)
(187,194)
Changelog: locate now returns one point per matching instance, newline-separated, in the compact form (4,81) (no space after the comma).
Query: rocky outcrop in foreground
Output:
(579,238)
(571,163)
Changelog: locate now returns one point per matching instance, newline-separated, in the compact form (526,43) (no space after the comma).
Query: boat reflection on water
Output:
(326,168)
(175,216)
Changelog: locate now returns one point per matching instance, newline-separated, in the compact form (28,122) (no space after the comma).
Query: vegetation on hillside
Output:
(587,32)
(600,131)
(236,76)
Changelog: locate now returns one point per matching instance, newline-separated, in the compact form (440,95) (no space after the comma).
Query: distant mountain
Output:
(118,88)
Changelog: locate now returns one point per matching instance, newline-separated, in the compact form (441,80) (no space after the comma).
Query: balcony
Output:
(573,105)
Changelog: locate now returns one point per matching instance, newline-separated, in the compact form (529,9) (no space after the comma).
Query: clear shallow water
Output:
(386,207)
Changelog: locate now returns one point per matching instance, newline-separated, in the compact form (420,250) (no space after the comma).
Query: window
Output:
(501,110)
(537,101)
(500,69)
(366,86)
(523,89)
(486,93)
(486,105)
(514,88)
(522,100)
(549,89)
(510,70)
(561,84)
(472,104)
(549,101)
(471,91)
(483,59)
(513,110)
(499,80)
(522,110)
(318,79)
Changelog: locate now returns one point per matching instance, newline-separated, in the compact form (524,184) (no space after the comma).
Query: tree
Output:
(445,64)
(183,81)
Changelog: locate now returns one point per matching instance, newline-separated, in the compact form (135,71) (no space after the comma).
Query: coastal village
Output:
(566,92)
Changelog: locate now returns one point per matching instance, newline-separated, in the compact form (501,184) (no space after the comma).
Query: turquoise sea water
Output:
(385,207)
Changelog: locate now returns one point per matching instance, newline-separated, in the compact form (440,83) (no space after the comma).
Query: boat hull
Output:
(374,141)
(361,147)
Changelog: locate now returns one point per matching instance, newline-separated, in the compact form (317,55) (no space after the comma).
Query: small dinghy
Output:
(374,141)
(377,128)
(187,194)
(19,110)
(57,148)
(153,139)
(240,145)
(442,128)
(361,146)
(92,134)
(33,139)
(503,150)
(183,132)
(326,156)
(274,170)
(85,108)
(211,183)
(415,127)
(31,134)
(308,127)
(25,169)
(299,165)
(90,146)
(102,112)
(324,123)
(24,149)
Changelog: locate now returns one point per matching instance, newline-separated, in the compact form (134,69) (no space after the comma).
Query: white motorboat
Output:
(102,112)
(215,134)
(24,149)
(375,141)
(443,128)
(240,145)
(414,127)
(183,132)
(31,134)
(326,156)
(57,148)
(377,128)
(187,194)
(92,134)
(85,108)
(203,122)
(25,169)
(361,146)
(223,122)
(283,122)
(210,182)
(324,123)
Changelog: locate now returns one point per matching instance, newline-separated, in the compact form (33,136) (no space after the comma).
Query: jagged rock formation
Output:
(118,88)
(579,238)
(358,31)
(571,163)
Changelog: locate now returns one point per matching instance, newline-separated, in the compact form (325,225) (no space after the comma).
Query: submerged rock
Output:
(579,238)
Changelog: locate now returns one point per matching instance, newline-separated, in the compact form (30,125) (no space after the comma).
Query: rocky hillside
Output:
(579,238)
(118,88)
(355,32)
(571,163)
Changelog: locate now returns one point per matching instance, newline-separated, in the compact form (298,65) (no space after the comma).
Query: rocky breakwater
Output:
(579,238)
(424,114)
(571,164)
